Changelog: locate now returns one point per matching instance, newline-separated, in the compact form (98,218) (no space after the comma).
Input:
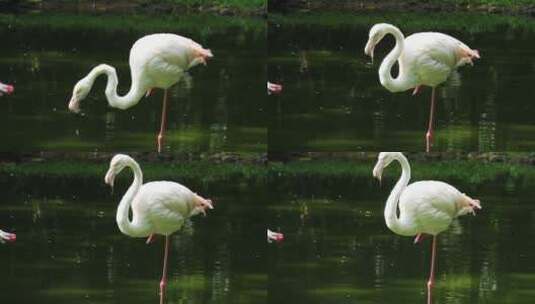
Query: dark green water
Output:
(220,107)
(338,249)
(333,99)
(69,249)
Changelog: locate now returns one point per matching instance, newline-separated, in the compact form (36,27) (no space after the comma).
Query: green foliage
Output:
(468,22)
(472,172)
(137,23)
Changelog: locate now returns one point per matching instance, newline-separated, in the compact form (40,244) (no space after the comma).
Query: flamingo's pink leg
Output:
(150,239)
(163,122)
(163,282)
(431,281)
(418,238)
(429,134)
(416,90)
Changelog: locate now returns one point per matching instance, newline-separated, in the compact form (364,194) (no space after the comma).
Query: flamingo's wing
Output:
(434,56)
(430,204)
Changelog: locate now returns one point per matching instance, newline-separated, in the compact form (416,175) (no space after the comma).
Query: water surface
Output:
(333,99)
(339,250)
(219,107)
(69,249)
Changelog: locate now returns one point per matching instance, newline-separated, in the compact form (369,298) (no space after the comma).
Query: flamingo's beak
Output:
(368,50)
(110,178)
(378,171)
(74,105)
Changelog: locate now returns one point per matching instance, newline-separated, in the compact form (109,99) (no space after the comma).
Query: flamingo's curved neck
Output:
(131,228)
(392,221)
(133,96)
(402,82)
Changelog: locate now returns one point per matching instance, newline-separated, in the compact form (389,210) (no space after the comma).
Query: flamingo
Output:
(424,207)
(156,61)
(424,59)
(157,207)
(6,89)
(7,237)
(274,88)
(274,236)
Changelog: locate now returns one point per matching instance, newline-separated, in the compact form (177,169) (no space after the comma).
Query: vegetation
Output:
(468,22)
(314,171)
(138,23)
(217,6)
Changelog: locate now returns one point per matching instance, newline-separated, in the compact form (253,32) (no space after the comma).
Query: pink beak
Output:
(10,89)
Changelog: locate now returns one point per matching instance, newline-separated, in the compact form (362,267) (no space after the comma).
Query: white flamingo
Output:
(157,207)
(274,236)
(156,61)
(6,89)
(274,88)
(424,207)
(7,237)
(424,59)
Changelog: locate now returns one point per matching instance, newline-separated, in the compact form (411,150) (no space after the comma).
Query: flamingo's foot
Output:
(416,90)
(428,141)
(149,92)
(160,142)
(150,239)
(419,237)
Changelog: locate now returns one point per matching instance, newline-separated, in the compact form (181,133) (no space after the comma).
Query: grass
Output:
(236,6)
(409,22)
(136,23)
(315,171)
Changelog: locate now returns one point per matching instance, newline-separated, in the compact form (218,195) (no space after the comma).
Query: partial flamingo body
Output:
(157,207)
(274,236)
(156,61)
(273,88)
(424,59)
(425,207)
(6,89)
(7,237)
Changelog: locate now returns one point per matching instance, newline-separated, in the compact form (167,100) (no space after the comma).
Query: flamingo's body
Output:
(157,207)
(424,59)
(7,237)
(6,89)
(273,88)
(425,207)
(156,61)
(274,236)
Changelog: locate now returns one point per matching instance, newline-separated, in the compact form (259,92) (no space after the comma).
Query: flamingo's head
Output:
(79,93)
(383,160)
(117,164)
(7,237)
(377,33)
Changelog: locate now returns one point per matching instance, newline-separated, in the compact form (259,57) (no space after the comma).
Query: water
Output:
(220,107)
(338,249)
(333,100)
(69,248)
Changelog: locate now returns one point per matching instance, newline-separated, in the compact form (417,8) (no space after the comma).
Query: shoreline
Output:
(296,6)
(121,7)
